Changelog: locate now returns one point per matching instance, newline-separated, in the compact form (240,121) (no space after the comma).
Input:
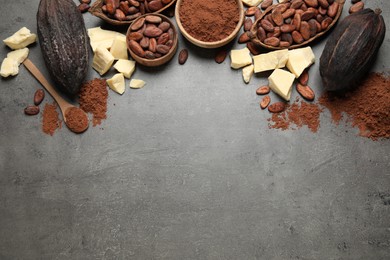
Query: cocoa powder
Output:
(50,120)
(209,20)
(297,114)
(93,99)
(367,107)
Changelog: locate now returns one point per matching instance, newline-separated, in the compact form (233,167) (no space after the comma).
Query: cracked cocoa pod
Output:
(64,43)
(351,50)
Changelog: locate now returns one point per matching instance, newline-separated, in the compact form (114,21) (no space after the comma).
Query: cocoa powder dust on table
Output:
(296,115)
(209,20)
(50,120)
(367,107)
(93,99)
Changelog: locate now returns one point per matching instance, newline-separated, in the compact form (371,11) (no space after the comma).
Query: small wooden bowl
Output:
(255,39)
(158,61)
(210,45)
(96,10)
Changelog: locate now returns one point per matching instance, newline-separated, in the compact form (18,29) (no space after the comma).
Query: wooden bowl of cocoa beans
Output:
(209,23)
(123,12)
(152,40)
(294,24)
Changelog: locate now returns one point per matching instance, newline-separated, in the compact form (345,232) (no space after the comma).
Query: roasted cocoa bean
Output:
(265,102)
(220,56)
(136,48)
(305,91)
(263,90)
(31,110)
(277,107)
(356,7)
(183,56)
(39,96)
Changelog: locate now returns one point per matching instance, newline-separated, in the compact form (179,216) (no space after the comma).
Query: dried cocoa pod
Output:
(66,55)
(351,49)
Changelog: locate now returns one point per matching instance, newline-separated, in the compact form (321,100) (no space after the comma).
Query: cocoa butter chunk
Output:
(240,58)
(281,82)
(299,60)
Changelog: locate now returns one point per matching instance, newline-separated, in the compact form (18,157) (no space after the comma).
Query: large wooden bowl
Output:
(215,44)
(158,61)
(255,39)
(96,10)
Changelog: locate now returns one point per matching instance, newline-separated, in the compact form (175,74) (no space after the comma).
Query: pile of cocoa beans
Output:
(128,10)
(150,37)
(296,21)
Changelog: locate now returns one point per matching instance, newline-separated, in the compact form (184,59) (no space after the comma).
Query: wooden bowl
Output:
(96,10)
(215,44)
(255,39)
(157,61)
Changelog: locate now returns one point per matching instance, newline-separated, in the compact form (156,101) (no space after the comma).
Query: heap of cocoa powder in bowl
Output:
(209,20)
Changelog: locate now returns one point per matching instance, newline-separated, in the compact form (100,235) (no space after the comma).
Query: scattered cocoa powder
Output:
(209,20)
(299,113)
(76,120)
(50,120)
(93,99)
(367,107)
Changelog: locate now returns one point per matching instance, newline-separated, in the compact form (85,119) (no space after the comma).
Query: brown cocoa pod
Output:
(152,44)
(277,107)
(248,24)
(296,21)
(263,90)
(153,19)
(150,55)
(261,34)
(244,37)
(266,3)
(163,38)
(163,49)
(297,37)
(288,13)
(39,96)
(326,22)
(332,9)
(304,77)
(144,42)
(311,3)
(136,48)
(152,32)
(155,5)
(305,91)
(356,7)
(267,25)
(164,26)
(277,17)
(287,28)
(31,110)
(272,41)
(136,36)
(220,56)
(265,102)
(323,3)
(183,56)
(296,4)
(251,11)
(83,7)
(305,30)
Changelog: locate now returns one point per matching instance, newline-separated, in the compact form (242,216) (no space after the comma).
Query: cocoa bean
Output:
(153,19)
(284,44)
(305,30)
(152,44)
(163,38)
(136,48)
(277,17)
(39,96)
(323,3)
(304,77)
(152,32)
(267,26)
(265,102)
(296,4)
(262,90)
(220,56)
(31,110)
(164,26)
(305,91)
(311,3)
(83,7)
(183,56)
(244,37)
(297,37)
(288,13)
(332,9)
(261,34)
(154,5)
(277,107)
(287,28)
(163,49)
(296,21)
(272,41)
(248,24)
(356,7)
(286,37)
(136,36)
(251,11)
(326,22)
(254,48)
(266,3)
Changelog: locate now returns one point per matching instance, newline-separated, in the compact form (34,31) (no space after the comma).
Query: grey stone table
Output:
(187,168)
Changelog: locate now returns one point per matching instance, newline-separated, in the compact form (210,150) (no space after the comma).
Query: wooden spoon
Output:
(62,103)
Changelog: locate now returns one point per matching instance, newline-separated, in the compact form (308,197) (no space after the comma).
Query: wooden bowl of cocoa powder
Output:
(152,40)
(209,23)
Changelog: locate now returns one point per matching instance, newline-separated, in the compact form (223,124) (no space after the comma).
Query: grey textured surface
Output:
(187,168)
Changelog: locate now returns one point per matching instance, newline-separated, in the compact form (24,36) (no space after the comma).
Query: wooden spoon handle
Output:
(39,76)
